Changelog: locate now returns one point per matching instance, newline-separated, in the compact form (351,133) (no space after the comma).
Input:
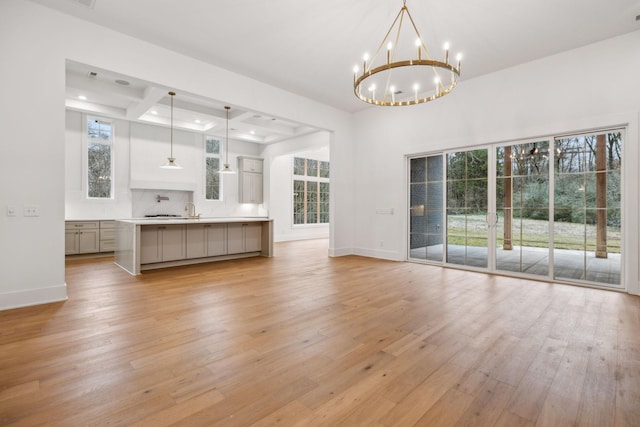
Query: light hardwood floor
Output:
(304,340)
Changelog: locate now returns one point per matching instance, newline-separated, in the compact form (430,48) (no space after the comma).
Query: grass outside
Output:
(530,233)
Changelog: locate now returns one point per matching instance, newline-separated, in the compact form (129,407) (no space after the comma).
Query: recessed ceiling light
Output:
(154,112)
(252,132)
(123,82)
(82,97)
(197,121)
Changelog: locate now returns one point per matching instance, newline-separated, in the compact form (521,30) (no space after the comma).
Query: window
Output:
(212,167)
(99,158)
(310,191)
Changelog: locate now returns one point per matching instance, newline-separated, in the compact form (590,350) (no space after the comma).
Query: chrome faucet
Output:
(191,216)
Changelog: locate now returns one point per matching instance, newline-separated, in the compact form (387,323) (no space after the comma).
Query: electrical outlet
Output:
(31,210)
(11,210)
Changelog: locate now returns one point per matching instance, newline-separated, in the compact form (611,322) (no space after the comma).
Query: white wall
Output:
(280,184)
(139,150)
(594,86)
(35,42)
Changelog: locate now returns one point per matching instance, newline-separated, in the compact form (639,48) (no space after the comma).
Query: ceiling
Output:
(311,47)
(106,93)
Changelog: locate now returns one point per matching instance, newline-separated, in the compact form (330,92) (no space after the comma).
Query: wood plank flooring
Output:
(301,339)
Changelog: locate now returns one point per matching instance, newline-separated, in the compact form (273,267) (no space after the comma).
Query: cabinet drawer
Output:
(75,225)
(107,234)
(107,245)
(108,225)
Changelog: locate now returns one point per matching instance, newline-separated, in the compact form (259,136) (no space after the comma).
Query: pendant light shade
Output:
(226,169)
(171,161)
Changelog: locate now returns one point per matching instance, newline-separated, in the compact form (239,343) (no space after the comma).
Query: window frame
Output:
(218,156)
(316,180)
(87,141)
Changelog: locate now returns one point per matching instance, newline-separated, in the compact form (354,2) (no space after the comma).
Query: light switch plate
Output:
(31,210)
(11,210)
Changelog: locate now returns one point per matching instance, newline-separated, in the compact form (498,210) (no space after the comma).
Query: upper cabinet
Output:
(250,179)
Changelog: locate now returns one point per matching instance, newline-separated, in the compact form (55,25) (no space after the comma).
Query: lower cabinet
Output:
(161,243)
(205,240)
(107,236)
(81,237)
(244,237)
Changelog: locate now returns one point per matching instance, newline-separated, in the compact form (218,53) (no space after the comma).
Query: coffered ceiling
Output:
(107,93)
(310,47)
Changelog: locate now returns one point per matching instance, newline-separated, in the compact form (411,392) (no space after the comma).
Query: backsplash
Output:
(145,202)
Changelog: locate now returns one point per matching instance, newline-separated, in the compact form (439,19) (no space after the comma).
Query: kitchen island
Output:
(144,244)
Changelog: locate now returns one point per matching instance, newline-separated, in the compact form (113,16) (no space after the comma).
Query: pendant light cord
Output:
(226,142)
(171,135)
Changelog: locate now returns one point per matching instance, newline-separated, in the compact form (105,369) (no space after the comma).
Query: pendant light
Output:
(171,161)
(226,168)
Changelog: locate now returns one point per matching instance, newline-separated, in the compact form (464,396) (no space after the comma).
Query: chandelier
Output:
(407,74)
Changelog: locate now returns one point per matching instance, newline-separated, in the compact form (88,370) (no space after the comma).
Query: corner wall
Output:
(35,42)
(279,184)
(590,87)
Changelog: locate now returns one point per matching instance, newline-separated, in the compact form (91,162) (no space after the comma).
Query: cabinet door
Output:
(173,242)
(89,241)
(216,239)
(71,245)
(235,238)
(196,241)
(251,187)
(251,165)
(252,237)
(150,244)
(256,188)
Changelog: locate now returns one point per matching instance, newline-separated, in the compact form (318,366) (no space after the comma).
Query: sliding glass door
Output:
(548,208)
(587,222)
(522,208)
(426,234)
(467,202)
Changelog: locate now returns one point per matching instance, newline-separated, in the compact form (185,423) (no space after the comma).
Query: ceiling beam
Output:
(150,98)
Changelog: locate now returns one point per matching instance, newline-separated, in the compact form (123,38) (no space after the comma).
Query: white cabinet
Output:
(250,164)
(107,236)
(244,237)
(251,180)
(81,237)
(205,240)
(161,243)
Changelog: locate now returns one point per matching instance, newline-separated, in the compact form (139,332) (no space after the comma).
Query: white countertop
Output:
(204,220)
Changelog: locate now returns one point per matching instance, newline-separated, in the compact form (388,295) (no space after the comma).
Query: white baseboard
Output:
(336,252)
(371,253)
(17,299)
